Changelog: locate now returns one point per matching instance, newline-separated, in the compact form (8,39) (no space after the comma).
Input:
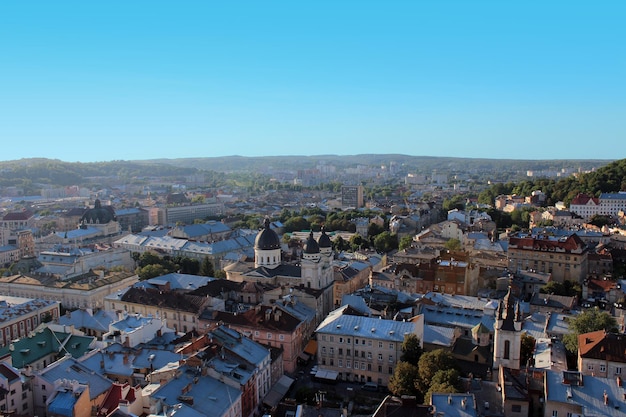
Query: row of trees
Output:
(420,374)
(150,265)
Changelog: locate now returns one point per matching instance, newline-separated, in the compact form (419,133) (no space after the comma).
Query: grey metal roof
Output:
(70,369)
(367,327)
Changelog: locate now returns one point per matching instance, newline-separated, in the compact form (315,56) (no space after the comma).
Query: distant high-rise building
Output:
(352,196)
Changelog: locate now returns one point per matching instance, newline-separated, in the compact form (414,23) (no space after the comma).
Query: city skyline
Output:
(97,82)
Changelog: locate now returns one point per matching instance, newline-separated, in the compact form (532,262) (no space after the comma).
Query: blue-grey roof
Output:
(70,369)
(127,211)
(84,318)
(367,327)
(81,233)
(243,347)
(201,229)
(613,196)
(180,281)
(210,397)
(457,316)
(62,404)
(357,302)
(8,248)
(438,335)
(449,405)
(155,358)
(589,395)
(13,307)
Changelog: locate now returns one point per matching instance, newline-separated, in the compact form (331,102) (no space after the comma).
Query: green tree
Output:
(590,320)
(527,348)
(374,229)
(402,381)
(444,381)
(567,288)
(431,362)
(206,268)
(385,242)
(340,245)
(151,271)
(453,244)
(405,242)
(357,242)
(297,223)
(149,258)
(411,349)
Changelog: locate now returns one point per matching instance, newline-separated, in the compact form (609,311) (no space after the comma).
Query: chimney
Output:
(102,365)
(606,398)
(619,381)
(125,358)
(463,403)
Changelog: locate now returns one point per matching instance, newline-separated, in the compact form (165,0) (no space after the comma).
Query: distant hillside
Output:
(26,172)
(424,164)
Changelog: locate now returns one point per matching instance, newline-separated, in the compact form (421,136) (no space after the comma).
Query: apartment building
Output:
(565,258)
(362,349)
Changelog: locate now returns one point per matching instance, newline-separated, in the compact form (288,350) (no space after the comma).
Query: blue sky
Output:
(122,80)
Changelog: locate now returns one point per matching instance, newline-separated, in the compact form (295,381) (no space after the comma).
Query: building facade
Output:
(362,349)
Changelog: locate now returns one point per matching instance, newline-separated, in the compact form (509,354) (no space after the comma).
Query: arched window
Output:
(507,349)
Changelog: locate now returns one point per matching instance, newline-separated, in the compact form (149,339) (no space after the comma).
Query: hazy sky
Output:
(109,80)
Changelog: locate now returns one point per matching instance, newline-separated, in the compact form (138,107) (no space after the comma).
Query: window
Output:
(348,363)
(323,337)
(618,370)
(602,368)
(390,371)
(369,355)
(347,352)
(390,345)
(269,335)
(363,365)
(341,340)
(380,345)
(340,351)
(340,363)
(590,367)
(256,332)
(281,337)
(390,358)
(348,341)
(332,338)
(507,349)
(555,413)
(332,350)
(369,343)
(363,342)
(323,350)
(380,356)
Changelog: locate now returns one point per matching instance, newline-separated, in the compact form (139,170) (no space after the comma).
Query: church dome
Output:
(267,239)
(98,214)
(311,246)
(324,240)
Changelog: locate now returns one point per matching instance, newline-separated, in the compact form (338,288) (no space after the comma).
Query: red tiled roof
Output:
(18,215)
(602,345)
(583,199)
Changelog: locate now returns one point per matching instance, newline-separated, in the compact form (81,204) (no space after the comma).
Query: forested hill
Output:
(41,171)
(607,179)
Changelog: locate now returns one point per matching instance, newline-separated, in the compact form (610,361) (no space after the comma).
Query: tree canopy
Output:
(589,320)
(411,349)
